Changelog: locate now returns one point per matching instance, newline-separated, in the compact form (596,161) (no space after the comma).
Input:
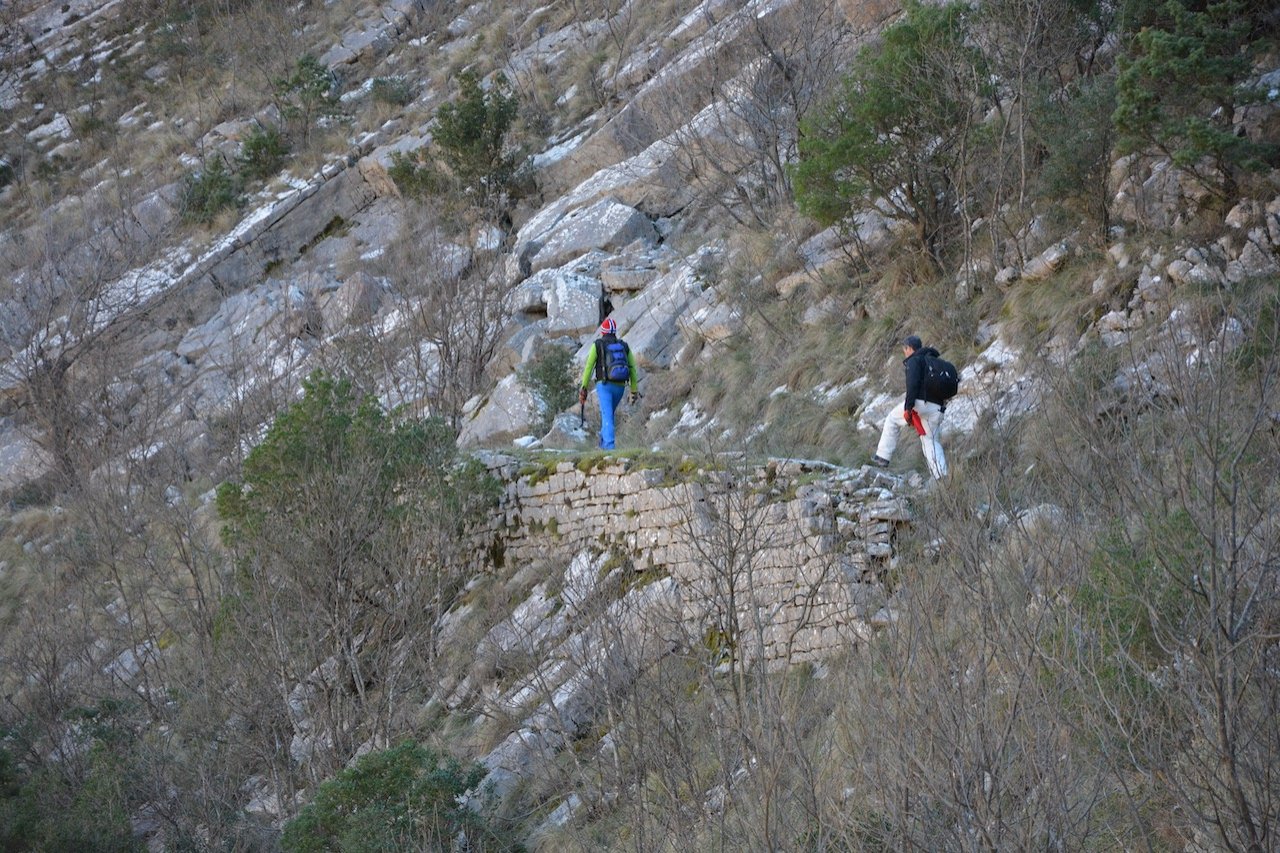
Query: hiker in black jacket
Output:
(918,411)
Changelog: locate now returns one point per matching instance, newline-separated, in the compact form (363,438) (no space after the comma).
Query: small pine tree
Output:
(308,94)
(208,192)
(549,377)
(262,153)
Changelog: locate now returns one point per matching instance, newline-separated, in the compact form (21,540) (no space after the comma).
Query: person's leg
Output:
(610,396)
(931,417)
(893,422)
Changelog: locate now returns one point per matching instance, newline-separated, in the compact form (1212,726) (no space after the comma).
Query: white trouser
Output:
(931,417)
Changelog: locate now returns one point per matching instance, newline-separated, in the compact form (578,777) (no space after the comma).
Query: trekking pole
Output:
(582,414)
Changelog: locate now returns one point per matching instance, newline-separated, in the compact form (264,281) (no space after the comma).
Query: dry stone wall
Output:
(785,560)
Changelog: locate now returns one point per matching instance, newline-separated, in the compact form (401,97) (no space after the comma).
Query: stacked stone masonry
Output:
(793,555)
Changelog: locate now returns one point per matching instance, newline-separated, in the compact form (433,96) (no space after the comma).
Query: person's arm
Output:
(635,373)
(914,377)
(589,368)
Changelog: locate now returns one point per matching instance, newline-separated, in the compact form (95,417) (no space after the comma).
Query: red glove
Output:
(915,421)
(906,415)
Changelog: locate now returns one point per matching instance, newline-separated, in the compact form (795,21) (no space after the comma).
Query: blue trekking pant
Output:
(610,395)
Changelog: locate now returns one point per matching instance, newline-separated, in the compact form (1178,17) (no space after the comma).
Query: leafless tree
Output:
(756,88)
(452,302)
(1179,632)
(1037,51)
(76,284)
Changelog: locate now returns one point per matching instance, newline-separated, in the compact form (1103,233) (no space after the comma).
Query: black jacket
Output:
(914,365)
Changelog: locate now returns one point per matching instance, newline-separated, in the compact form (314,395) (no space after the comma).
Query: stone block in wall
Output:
(886,510)
(878,531)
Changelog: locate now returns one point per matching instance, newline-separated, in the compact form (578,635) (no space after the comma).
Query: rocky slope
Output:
(134,338)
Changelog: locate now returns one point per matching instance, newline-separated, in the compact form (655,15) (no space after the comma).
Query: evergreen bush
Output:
(1183,79)
(549,376)
(307,95)
(262,153)
(391,90)
(209,191)
(403,798)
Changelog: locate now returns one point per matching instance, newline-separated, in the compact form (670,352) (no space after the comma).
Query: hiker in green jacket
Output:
(613,365)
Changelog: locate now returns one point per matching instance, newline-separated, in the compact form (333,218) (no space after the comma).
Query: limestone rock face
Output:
(573,301)
(607,224)
(710,319)
(21,460)
(648,321)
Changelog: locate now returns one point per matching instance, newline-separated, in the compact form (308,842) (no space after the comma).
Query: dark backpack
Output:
(941,381)
(611,361)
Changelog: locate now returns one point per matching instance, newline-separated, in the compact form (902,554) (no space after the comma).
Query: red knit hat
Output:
(609,326)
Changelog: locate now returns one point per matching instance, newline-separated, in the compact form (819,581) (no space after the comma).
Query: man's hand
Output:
(633,397)
(906,415)
(582,396)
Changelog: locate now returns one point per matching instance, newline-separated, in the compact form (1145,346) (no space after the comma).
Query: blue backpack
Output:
(611,360)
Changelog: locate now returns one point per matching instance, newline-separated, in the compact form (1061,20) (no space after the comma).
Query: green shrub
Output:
(262,153)
(82,805)
(1183,79)
(414,175)
(47,170)
(1074,126)
(471,130)
(208,192)
(895,131)
(396,91)
(549,376)
(404,798)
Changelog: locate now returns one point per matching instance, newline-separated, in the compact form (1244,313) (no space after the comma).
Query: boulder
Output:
(1047,262)
(822,248)
(568,431)
(1119,254)
(573,301)
(1007,276)
(710,319)
(356,301)
(1152,290)
(1273,221)
(21,460)
(820,312)
(517,349)
(789,284)
(509,410)
(1254,262)
(627,278)
(529,298)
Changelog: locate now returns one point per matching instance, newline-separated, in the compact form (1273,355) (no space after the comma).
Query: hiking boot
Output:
(880,461)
